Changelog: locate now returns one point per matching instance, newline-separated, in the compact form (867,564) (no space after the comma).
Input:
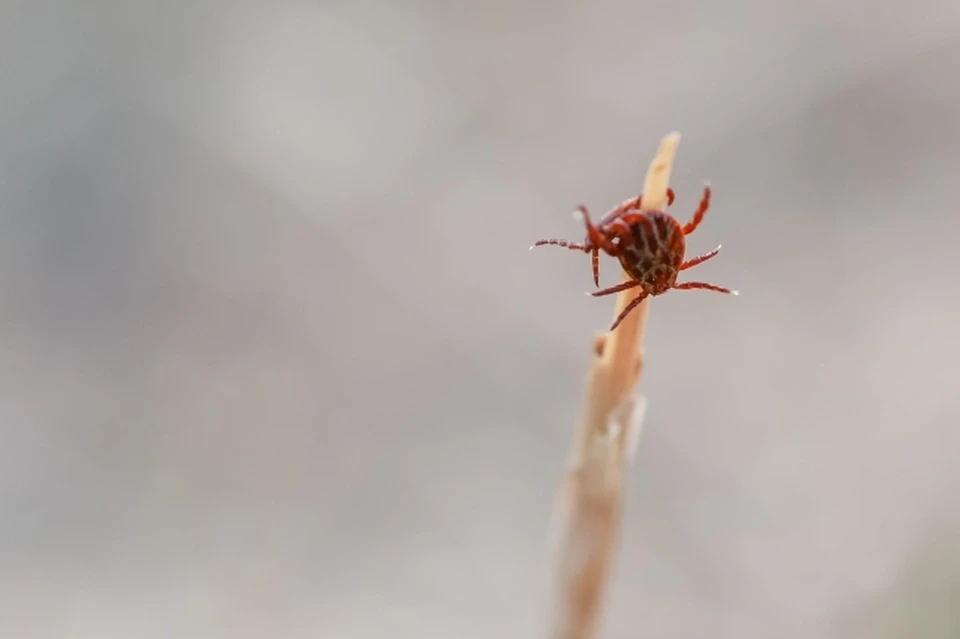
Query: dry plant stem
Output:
(609,424)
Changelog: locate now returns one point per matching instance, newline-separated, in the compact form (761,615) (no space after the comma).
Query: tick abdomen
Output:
(654,251)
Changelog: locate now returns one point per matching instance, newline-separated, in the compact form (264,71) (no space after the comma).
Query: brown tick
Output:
(650,246)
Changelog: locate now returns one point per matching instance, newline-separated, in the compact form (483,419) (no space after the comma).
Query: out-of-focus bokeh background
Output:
(276,361)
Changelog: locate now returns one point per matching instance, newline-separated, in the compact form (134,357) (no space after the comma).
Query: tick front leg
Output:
(615,289)
(596,267)
(699,260)
(632,203)
(563,243)
(632,305)
(704,285)
(699,213)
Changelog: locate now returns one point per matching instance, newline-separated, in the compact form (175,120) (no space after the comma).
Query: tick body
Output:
(650,246)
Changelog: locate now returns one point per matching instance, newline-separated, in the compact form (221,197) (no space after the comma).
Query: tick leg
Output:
(597,239)
(699,213)
(616,289)
(704,285)
(595,236)
(632,203)
(563,243)
(699,260)
(596,267)
(632,305)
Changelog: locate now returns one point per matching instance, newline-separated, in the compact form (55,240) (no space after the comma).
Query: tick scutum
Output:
(654,256)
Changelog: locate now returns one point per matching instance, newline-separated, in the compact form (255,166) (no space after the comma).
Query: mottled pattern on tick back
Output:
(654,251)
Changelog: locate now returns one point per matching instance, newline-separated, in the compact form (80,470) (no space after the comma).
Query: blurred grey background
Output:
(276,361)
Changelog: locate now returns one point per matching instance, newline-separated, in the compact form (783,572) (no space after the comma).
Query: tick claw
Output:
(735,292)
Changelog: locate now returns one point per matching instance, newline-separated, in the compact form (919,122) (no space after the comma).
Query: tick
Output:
(650,245)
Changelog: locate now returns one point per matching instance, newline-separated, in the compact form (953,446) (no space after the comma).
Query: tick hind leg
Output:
(626,311)
(699,213)
(699,260)
(616,289)
(704,285)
